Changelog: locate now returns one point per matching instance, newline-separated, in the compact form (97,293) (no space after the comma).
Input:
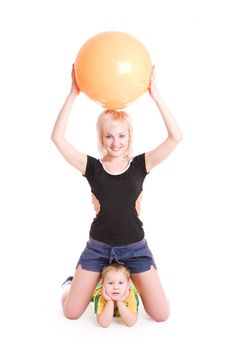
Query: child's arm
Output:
(105,318)
(128,317)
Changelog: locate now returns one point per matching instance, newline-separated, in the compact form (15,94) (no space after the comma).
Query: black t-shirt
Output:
(117,221)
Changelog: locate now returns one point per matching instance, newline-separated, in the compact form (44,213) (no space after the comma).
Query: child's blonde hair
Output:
(115,267)
(112,117)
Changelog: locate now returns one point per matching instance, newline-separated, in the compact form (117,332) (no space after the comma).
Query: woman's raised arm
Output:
(162,151)
(72,155)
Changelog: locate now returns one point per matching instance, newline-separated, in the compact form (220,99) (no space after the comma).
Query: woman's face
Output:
(116,284)
(116,139)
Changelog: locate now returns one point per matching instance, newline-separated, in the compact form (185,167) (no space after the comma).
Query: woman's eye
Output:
(122,136)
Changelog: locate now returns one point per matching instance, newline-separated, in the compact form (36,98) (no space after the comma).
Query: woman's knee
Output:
(72,311)
(72,314)
(160,315)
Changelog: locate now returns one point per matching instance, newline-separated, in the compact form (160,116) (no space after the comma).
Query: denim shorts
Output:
(137,257)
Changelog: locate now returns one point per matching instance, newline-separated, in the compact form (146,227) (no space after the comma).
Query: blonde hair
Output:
(116,267)
(112,117)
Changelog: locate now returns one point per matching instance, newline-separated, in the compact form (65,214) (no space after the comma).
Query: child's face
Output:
(116,284)
(116,139)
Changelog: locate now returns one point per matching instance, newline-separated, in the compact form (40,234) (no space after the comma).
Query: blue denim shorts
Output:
(137,257)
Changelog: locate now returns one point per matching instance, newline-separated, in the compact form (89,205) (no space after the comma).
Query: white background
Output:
(45,203)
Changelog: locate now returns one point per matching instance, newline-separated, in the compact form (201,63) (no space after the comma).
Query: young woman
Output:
(116,180)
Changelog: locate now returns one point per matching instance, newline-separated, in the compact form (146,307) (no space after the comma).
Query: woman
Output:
(116,233)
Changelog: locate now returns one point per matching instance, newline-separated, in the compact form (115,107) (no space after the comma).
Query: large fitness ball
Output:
(113,68)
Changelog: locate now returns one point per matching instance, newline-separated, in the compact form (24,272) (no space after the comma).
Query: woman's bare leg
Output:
(76,300)
(152,294)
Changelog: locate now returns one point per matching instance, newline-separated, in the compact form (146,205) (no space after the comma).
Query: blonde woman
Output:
(116,182)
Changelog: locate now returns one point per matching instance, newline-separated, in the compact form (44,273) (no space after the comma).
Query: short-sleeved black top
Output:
(117,222)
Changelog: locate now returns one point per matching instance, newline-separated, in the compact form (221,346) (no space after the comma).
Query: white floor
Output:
(35,321)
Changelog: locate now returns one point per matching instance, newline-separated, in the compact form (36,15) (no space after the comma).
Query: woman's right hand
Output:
(74,86)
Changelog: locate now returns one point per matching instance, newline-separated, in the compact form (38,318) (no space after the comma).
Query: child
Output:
(116,296)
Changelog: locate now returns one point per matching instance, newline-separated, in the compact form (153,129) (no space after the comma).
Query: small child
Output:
(115,296)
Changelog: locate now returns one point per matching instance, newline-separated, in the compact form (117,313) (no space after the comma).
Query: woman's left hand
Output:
(152,87)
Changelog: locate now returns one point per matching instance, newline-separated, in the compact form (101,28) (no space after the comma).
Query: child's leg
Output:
(152,294)
(76,300)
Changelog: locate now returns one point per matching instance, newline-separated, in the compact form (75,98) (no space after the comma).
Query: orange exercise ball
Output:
(113,68)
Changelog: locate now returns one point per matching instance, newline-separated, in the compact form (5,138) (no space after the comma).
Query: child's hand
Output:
(105,295)
(125,296)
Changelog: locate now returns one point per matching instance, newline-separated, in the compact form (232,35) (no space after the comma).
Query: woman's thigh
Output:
(80,292)
(152,294)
